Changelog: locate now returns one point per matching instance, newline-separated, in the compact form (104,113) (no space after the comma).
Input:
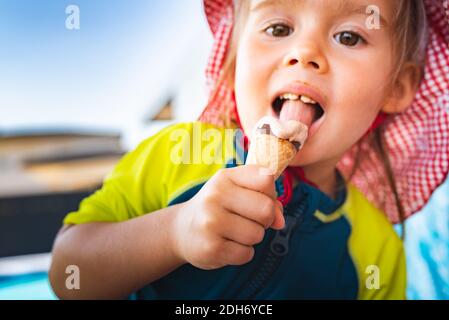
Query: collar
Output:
(316,199)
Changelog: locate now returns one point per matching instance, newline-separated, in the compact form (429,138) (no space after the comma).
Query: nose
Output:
(306,56)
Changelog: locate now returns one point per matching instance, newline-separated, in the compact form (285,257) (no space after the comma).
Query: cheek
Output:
(356,111)
(251,84)
(252,69)
(361,94)
(253,53)
(356,102)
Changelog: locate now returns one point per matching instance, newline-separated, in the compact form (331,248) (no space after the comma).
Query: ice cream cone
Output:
(270,152)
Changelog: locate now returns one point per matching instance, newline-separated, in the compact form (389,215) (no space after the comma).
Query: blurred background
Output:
(75,98)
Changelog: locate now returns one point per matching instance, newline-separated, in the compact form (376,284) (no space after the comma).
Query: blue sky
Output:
(105,74)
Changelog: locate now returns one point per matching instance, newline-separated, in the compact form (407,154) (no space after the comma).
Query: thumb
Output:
(279,220)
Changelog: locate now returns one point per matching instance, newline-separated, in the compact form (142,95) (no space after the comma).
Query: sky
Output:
(105,75)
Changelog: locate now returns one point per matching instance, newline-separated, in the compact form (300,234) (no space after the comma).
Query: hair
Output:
(409,34)
(410,41)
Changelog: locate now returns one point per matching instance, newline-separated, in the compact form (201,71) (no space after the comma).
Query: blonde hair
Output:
(410,36)
(410,33)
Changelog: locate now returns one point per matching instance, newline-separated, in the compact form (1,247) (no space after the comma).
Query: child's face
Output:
(315,43)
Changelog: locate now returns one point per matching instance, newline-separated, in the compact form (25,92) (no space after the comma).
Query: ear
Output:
(404,89)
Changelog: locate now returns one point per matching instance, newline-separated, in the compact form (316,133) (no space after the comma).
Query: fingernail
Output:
(280,205)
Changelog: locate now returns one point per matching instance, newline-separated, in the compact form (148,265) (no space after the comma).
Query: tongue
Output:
(299,111)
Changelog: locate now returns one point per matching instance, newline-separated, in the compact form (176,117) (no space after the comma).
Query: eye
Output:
(279,30)
(348,38)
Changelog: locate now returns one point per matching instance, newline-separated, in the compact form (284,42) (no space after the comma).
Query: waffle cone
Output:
(270,152)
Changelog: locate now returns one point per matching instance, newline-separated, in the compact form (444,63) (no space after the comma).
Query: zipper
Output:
(278,249)
(279,245)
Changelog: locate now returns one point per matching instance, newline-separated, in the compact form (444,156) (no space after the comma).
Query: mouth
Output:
(290,106)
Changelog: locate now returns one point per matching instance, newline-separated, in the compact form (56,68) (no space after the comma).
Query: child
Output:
(377,148)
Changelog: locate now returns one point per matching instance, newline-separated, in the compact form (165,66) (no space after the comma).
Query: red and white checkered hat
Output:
(417,140)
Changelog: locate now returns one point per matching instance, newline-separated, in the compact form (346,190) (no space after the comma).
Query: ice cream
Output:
(274,144)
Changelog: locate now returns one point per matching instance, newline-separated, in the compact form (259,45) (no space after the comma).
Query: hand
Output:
(228,216)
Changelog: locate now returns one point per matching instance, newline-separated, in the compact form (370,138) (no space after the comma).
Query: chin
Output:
(301,160)
(306,157)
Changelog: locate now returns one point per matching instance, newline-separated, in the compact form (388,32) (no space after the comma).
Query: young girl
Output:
(180,217)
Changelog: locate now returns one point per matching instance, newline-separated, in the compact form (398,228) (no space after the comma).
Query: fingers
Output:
(235,254)
(241,230)
(279,219)
(252,177)
(253,205)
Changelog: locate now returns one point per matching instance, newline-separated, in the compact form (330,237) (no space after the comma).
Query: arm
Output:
(115,259)
(217,227)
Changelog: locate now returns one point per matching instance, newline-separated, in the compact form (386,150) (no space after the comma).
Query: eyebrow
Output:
(345,7)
